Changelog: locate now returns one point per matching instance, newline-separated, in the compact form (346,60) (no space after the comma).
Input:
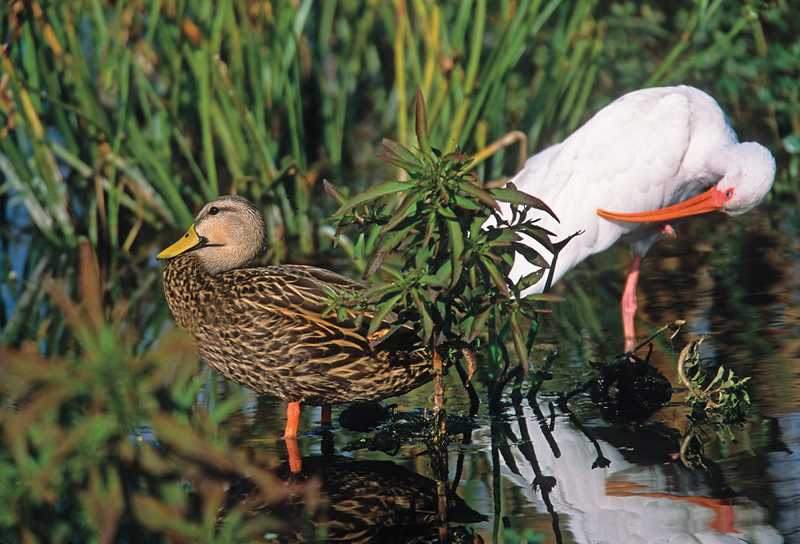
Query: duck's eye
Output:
(729,194)
(213,210)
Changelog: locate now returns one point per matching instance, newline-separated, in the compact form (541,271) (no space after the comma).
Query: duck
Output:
(269,328)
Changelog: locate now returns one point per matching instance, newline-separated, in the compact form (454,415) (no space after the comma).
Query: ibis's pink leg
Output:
(629,303)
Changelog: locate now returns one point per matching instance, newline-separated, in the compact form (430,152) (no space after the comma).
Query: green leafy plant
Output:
(437,252)
(722,398)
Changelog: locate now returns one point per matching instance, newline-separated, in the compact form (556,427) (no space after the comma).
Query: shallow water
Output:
(528,475)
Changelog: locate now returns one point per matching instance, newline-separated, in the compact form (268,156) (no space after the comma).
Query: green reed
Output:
(121,118)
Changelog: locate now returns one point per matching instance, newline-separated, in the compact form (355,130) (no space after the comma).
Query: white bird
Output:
(651,157)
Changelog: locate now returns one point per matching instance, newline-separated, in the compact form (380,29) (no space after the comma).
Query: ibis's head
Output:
(228,233)
(746,173)
(748,170)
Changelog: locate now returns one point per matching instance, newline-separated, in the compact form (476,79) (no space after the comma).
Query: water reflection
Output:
(538,470)
(365,501)
(595,493)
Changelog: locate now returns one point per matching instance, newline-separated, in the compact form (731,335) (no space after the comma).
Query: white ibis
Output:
(651,157)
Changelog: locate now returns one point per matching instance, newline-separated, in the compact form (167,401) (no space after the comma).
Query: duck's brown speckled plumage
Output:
(266,329)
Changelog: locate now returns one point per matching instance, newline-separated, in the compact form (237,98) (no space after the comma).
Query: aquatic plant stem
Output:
(466,380)
(515,136)
(441,496)
(682,366)
(675,325)
(437,447)
(325,417)
(438,396)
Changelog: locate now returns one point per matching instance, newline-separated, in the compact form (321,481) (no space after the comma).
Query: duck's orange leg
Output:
(292,420)
(325,418)
(290,437)
(293,451)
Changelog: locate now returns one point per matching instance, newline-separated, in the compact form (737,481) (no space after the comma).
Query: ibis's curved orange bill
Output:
(710,201)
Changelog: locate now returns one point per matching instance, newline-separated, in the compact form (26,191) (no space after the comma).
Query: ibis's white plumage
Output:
(652,156)
(649,149)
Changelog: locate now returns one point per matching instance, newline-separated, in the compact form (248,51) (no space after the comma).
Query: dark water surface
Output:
(528,475)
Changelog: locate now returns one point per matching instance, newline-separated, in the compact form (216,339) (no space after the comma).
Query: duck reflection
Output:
(361,501)
(596,491)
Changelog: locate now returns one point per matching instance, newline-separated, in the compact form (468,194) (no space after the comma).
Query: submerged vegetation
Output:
(118,119)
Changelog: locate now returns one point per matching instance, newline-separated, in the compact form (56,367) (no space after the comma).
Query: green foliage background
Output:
(118,119)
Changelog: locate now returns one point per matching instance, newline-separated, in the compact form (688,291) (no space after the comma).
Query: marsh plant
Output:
(719,397)
(436,253)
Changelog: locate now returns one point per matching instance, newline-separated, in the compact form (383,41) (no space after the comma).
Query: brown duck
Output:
(267,328)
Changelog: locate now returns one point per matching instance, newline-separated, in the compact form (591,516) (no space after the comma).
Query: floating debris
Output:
(629,389)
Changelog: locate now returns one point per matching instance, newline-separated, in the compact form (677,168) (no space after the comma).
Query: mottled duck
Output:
(267,328)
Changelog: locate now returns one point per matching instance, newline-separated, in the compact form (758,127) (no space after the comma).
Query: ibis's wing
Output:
(627,158)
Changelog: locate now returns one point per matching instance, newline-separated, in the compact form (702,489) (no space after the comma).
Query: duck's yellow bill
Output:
(184,244)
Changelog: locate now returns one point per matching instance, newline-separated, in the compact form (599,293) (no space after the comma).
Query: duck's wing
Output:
(302,295)
(305,289)
(311,280)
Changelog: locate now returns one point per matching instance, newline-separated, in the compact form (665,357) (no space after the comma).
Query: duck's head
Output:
(228,233)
